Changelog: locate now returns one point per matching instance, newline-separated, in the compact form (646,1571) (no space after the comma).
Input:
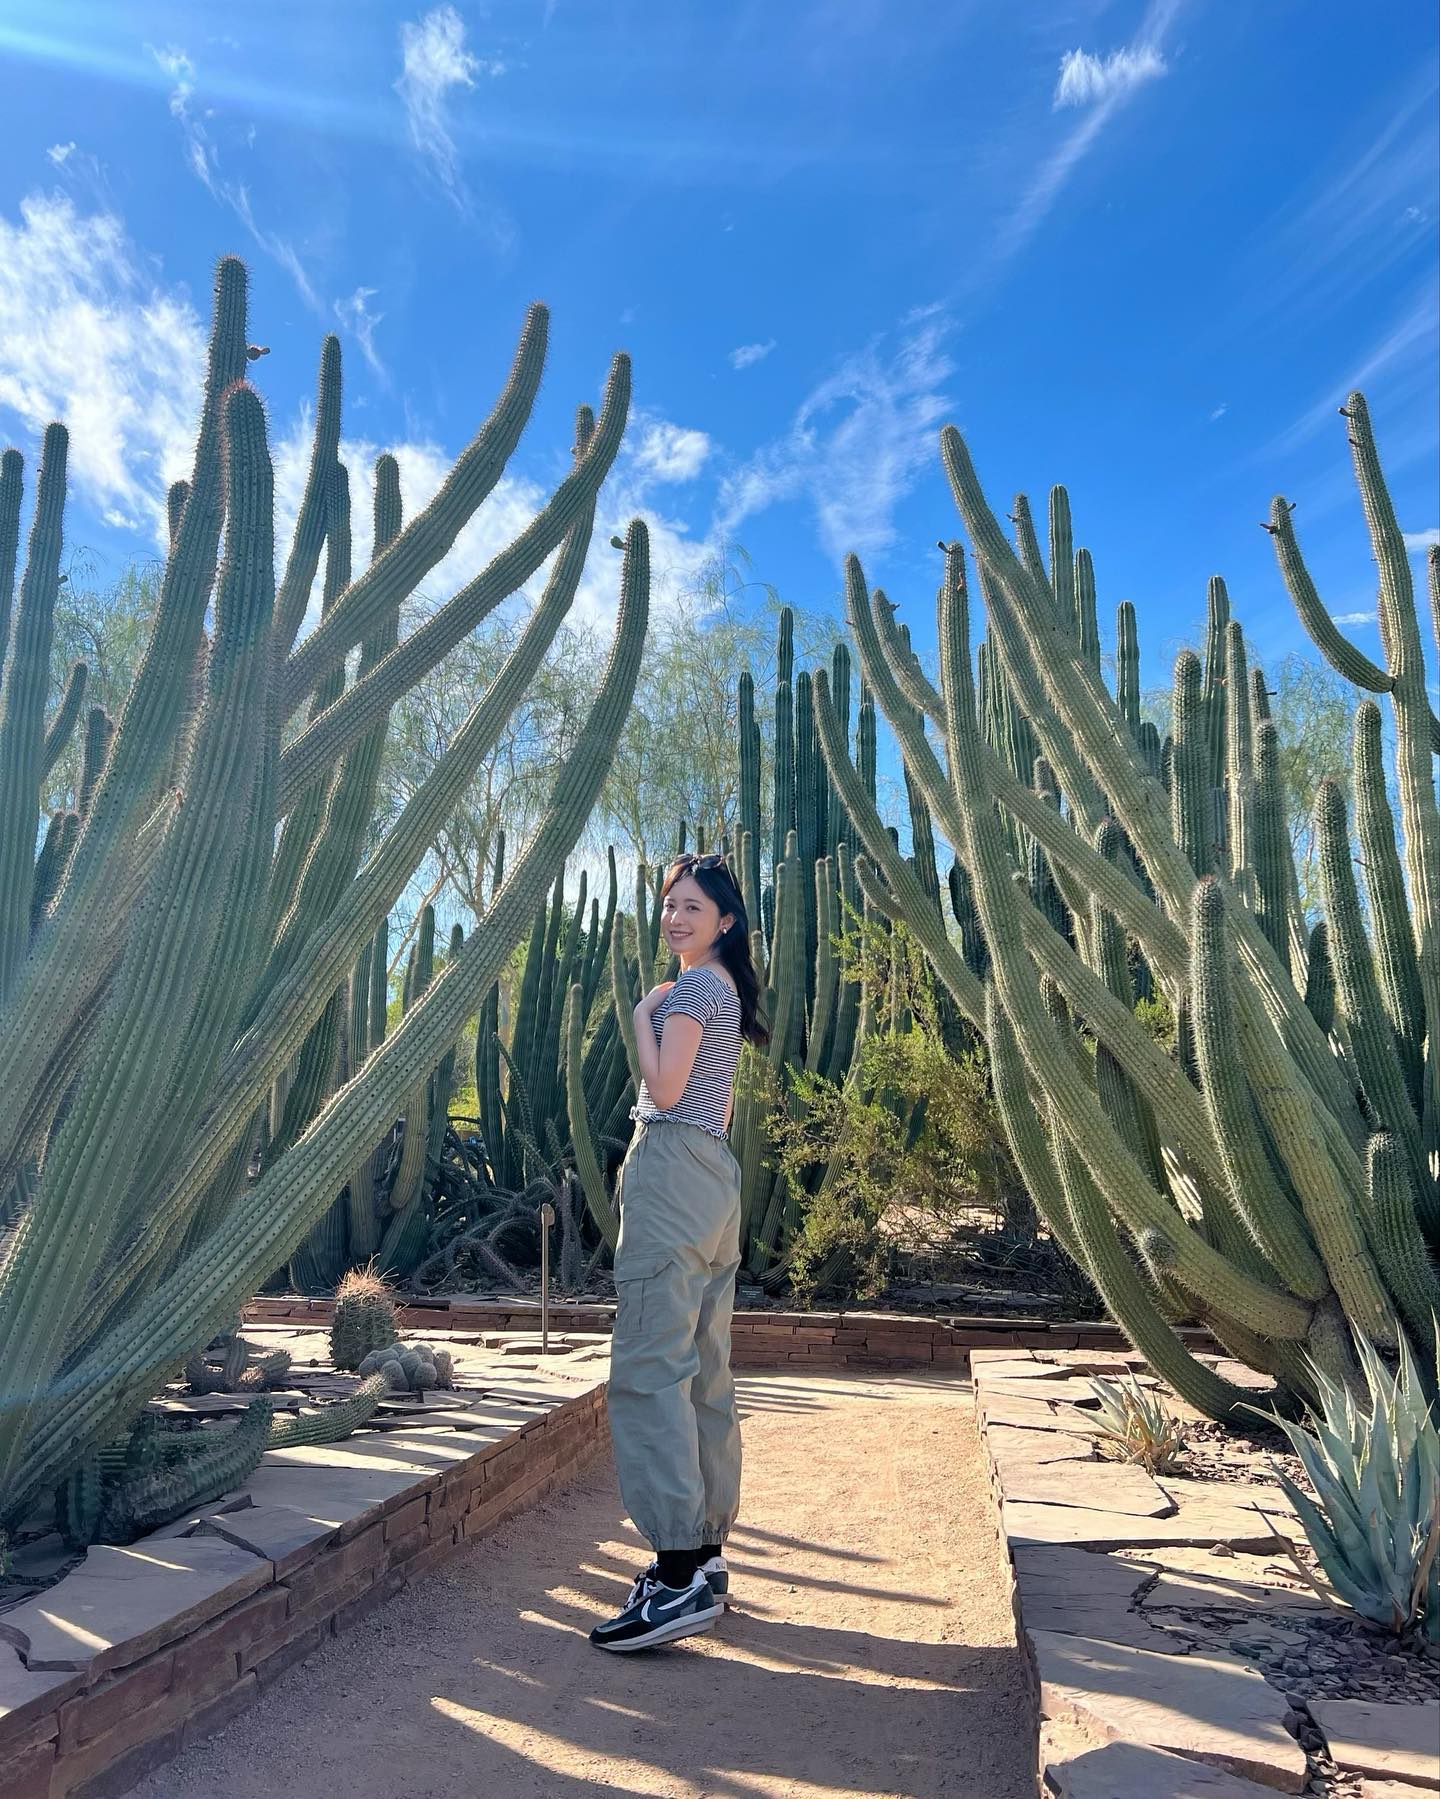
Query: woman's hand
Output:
(651,1000)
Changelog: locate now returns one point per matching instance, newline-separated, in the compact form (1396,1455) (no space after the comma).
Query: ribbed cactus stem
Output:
(1396,966)
(62,727)
(99,733)
(1216,685)
(749,796)
(587,1161)
(22,705)
(1320,977)
(293,595)
(1271,852)
(1189,768)
(1372,1039)
(1085,610)
(784,777)
(12,468)
(1127,667)
(1239,757)
(1395,1236)
(1268,1214)
(330,1423)
(1027,547)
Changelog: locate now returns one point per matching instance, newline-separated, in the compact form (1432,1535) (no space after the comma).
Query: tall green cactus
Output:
(1224,1176)
(189,967)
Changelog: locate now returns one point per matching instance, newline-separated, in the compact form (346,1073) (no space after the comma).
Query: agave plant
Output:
(1136,1426)
(1374,1461)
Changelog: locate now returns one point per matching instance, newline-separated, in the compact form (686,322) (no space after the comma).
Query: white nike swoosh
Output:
(663,1611)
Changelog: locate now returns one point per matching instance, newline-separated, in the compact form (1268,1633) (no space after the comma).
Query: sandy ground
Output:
(870,1651)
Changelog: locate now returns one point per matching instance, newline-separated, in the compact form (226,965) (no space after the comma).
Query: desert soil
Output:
(870,1650)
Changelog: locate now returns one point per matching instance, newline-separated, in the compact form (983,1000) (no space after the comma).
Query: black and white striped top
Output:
(712,1001)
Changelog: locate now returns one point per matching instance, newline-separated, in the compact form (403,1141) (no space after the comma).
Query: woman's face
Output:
(689,919)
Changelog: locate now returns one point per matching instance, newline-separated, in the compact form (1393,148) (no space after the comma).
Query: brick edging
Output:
(96,1739)
(838,1339)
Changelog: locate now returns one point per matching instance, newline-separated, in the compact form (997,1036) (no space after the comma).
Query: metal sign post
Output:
(547,1218)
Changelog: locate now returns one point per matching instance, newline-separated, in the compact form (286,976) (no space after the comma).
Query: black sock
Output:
(707,1553)
(677,1566)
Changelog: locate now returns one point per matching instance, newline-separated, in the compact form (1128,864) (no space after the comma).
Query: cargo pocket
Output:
(636,1282)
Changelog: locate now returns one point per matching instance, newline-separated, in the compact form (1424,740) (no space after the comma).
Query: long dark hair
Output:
(714,879)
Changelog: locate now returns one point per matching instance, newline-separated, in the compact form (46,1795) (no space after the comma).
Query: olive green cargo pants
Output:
(671,1397)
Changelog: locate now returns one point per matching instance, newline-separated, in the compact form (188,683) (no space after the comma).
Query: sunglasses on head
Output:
(688,859)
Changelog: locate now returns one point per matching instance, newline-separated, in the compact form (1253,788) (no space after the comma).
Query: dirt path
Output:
(872,1651)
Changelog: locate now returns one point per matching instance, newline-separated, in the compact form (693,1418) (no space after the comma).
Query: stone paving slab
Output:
(285,1537)
(1036,1414)
(1198,1523)
(1008,1446)
(1221,1587)
(1080,1594)
(1111,1486)
(121,1604)
(1211,1708)
(337,1498)
(1133,1771)
(1249,1496)
(1394,1742)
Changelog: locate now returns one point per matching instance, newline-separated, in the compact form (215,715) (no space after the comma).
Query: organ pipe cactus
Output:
(1276,1176)
(184,964)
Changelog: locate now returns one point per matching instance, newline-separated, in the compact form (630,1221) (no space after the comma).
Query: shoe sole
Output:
(688,1626)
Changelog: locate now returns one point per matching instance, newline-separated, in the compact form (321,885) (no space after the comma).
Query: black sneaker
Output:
(659,1615)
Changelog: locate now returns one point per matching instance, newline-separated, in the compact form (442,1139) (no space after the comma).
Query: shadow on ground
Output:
(871,1651)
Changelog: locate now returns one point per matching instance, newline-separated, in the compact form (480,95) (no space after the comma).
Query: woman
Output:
(671,1397)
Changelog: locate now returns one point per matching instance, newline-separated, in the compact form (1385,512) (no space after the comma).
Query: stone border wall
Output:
(70,1735)
(842,1339)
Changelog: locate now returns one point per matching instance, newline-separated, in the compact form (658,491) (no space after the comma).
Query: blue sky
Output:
(1144,249)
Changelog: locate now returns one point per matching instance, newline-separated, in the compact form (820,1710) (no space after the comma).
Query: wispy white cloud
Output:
(749,354)
(89,336)
(1220,411)
(1103,86)
(668,452)
(857,442)
(1419,541)
(1409,343)
(435,63)
(355,314)
(1353,618)
(60,154)
(1086,79)
(1358,220)
(203,159)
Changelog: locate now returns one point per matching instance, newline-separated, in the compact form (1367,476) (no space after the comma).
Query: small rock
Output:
(1223,1549)
(1294,1721)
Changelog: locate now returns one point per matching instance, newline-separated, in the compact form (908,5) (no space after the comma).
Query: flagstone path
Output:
(871,1649)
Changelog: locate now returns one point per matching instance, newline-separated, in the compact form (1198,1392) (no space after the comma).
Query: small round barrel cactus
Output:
(364,1318)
